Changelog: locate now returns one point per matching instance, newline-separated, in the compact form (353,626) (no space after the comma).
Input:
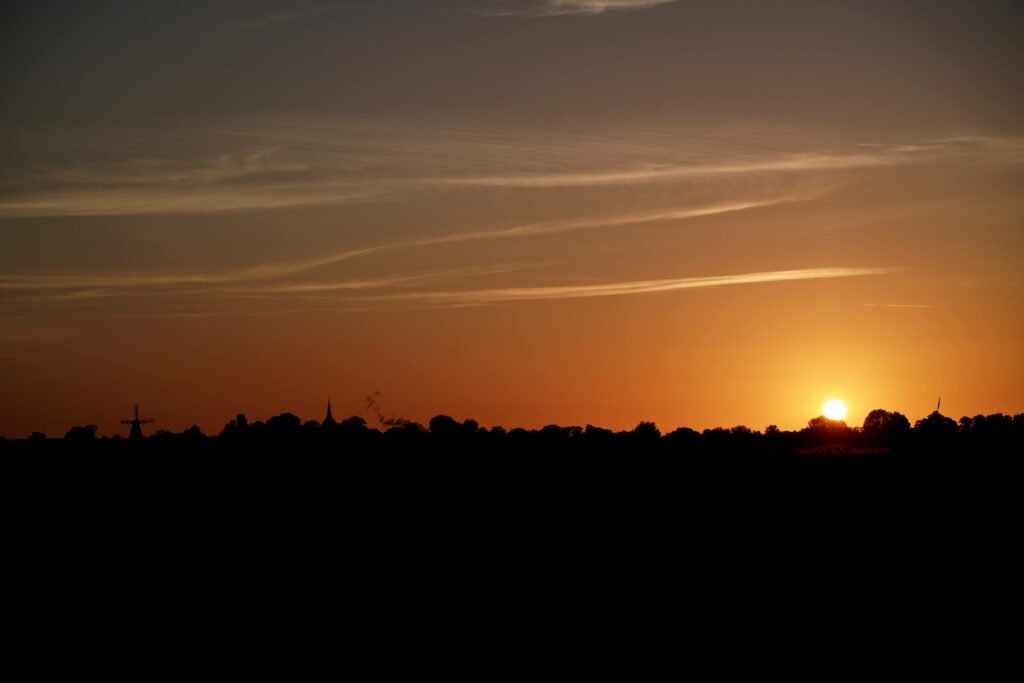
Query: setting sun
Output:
(834,409)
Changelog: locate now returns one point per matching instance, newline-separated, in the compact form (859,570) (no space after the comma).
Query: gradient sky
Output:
(697,212)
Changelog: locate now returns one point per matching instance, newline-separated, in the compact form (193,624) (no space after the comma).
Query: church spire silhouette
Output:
(329,419)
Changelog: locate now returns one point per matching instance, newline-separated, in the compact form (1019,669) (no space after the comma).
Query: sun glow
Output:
(834,409)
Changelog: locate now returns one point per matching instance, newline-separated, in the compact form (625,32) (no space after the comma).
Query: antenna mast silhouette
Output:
(938,405)
(136,423)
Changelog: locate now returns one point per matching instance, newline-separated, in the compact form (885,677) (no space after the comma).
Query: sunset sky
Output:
(696,212)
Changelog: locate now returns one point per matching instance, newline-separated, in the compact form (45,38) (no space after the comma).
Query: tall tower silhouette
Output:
(136,423)
(329,419)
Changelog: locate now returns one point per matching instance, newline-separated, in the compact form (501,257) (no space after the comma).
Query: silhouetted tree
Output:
(822,431)
(553,433)
(229,431)
(682,439)
(935,426)
(882,427)
(278,429)
(81,433)
(573,431)
(647,430)
(445,426)
(597,439)
(352,425)
(193,433)
(822,423)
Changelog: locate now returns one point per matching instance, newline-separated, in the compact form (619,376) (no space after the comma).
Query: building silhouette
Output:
(328,420)
(136,422)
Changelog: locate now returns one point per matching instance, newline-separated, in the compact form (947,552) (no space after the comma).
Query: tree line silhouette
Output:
(886,463)
(881,431)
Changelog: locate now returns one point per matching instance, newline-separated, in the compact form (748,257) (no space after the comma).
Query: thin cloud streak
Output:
(556,227)
(140,286)
(97,283)
(333,286)
(796,162)
(283,163)
(174,201)
(492,296)
(160,198)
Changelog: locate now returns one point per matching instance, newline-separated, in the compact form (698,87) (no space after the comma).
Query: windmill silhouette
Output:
(136,423)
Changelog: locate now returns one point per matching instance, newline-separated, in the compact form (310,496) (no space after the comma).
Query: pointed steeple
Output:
(329,419)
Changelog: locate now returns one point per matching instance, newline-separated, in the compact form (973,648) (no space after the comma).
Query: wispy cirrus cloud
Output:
(352,293)
(330,288)
(137,196)
(91,286)
(500,295)
(556,8)
(294,162)
(654,173)
(74,289)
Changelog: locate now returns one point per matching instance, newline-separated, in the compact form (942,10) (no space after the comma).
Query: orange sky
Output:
(597,232)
